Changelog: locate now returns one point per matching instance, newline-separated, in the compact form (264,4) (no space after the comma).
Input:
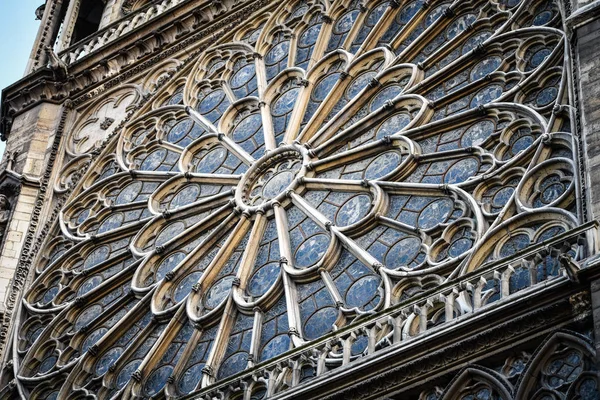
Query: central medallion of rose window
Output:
(271,178)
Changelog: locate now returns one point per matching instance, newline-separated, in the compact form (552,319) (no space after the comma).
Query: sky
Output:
(18,28)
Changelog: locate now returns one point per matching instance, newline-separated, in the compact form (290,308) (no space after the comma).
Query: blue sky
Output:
(18,28)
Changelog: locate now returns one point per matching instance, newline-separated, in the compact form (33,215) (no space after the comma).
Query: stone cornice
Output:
(135,52)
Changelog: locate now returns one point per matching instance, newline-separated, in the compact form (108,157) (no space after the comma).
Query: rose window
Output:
(318,165)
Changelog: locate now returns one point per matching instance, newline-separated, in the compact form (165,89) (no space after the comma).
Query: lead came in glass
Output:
(353,210)
(382,162)
(218,292)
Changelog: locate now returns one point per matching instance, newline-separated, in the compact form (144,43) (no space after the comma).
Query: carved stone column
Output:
(46,35)
(69,26)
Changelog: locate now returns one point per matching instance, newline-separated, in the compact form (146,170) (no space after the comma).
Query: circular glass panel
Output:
(437,212)
(403,252)
(211,161)
(320,322)
(353,210)
(311,250)
(218,292)
(263,279)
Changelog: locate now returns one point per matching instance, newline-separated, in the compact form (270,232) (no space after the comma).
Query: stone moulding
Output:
(418,309)
(385,335)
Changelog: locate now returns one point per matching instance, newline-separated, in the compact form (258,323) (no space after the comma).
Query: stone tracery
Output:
(302,176)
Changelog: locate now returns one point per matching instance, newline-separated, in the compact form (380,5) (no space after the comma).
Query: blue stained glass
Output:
(169,233)
(108,359)
(385,95)
(360,345)
(168,264)
(285,102)
(519,280)
(486,95)
(460,25)
(83,216)
(393,124)
(277,53)
(299,11)
(263,279)
(550,233)
(383,165)
(459,247)
(502,196)
(125,374)
(353,210)
(52,396)
(243,76)
(185,286)
(409,11)
(437,212)
(129,193)
(403,252)
(178,131)
(363,291)
(154,160)
(542,18)
(212,160)
(211,101)
(34,332)
(310,36)
(185,196)
(345,23)
(514,244)
(277,184)
(359,83)
(274,347)
(320,322)
(88,316)
(552,193)
(477,133)
(158,380)
(96,257)
(324,87)
(485,67)
(538,58)
(247,127)
(47,364)
(311,250)
(235,363)
(511,3)
(588,389)
(50,294)
(521,144)
(92,338)
(190,378)
(218,292)
(546,96)
(112,222)
(462,170)
(259,394)
(435,14)
(252,36)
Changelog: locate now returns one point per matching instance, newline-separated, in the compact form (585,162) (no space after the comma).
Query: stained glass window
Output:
(307,171)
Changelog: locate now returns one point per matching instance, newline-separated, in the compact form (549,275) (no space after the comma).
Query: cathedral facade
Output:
(303,199)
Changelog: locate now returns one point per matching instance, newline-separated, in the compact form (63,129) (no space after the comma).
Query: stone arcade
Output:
(303,199)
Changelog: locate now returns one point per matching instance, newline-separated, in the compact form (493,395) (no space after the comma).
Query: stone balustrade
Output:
(116,30)
(539,267)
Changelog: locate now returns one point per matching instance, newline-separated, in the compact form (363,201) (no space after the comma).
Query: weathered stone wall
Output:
(30,138)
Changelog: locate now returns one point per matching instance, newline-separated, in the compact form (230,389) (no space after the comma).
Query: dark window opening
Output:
(88,19)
